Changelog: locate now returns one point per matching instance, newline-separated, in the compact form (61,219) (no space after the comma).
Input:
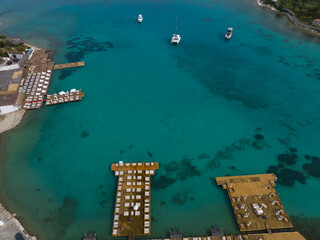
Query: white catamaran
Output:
(176,37)
(140,18)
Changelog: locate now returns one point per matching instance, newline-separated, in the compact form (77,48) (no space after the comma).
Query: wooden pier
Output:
(132,213)
(263,236)
(64,97)
(255,202)
(68,65)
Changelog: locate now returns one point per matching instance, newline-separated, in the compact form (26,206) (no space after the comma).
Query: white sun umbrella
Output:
(48,70)
(43,91)
(41,80)
(40,85)
(43,72)
(45,86)
(39,89)
(47,78)
(37,93)
(48,74)
(42,76)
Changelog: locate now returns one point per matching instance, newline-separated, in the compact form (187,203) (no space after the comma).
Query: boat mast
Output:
(176,24)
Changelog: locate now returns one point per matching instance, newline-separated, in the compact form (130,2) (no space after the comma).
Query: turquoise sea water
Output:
(196,109)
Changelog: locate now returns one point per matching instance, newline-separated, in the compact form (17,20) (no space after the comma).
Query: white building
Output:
(15,54)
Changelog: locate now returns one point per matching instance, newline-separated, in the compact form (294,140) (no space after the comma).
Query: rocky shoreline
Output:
(291,17)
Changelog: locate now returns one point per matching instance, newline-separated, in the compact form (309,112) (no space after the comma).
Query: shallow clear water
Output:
(194,108)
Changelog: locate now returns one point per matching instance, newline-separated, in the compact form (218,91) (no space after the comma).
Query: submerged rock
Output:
(286,176)
(181,197)
(162,182)
(286,158)
(84,134)
(313,168)
(258,136)
(203,156)
(307,226)
(308,157)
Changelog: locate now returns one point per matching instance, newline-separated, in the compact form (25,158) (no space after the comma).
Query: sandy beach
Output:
(11,120)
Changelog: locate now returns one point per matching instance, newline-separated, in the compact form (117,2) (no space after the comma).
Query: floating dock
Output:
(64,97)
(255,202)
(132,206)
(264,236)
(68,65)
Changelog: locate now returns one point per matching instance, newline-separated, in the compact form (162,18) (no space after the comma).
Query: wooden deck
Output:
(265,236)
(68,65)
(35,81)
(255,202)
(277,236)
(132,212)
(8,92)
(64,97)
(35,87)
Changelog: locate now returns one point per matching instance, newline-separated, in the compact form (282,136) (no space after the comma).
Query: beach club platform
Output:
(35,82)
(35,87)
(255,202)
(64,97)
(132,213)
(263,236)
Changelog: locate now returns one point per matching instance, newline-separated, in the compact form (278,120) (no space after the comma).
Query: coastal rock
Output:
(286,176)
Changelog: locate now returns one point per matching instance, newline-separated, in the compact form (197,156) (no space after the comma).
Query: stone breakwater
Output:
(307,28)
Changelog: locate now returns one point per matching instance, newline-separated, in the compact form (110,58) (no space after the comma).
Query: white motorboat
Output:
(229,33)
(140,18)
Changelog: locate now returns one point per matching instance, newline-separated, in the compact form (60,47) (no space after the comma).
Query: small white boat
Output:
(176,38)
(140,18)
(229,33)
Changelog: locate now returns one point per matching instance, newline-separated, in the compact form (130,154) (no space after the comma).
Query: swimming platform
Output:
(254,200)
